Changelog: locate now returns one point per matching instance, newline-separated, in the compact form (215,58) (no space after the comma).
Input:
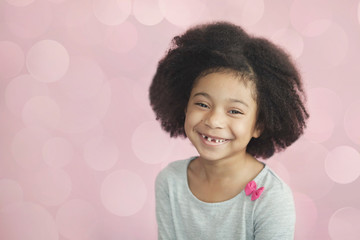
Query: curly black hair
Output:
(221,45)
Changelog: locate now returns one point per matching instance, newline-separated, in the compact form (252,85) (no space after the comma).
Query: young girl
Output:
(237,98)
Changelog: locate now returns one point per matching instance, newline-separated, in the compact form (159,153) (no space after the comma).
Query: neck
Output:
(224,169)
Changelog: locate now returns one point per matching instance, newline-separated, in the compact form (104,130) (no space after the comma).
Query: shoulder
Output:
(173,172)
(274,212)
(274,186)
(277,198)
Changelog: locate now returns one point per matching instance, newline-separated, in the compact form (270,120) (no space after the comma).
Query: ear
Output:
(258,131)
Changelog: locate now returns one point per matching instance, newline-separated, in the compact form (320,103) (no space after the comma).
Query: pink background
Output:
(79,146)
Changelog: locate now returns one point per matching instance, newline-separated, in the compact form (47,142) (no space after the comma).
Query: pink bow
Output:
(251,189)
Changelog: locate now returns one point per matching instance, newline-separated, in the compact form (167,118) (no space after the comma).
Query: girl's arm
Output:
(166,230)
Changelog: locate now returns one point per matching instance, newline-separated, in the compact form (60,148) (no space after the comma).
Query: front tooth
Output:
(217,140)
(209,139)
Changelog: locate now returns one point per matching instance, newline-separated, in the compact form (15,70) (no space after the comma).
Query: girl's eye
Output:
(235,112)
(202,105)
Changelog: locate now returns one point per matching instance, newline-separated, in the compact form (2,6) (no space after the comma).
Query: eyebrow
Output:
(230,99)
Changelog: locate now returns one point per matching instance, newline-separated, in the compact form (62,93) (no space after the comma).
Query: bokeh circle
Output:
(11,59)
(41,111)
(57,152)
(182,13)
(25,220)
(122,38)
(47,61)
(20,90)
(77,219)
(10,192)
(291,40)
(148,143)
(112,12)
(31,21)
(123,193)
(147,12)
(100,153)
(50,186)
(351,122)
(307,215)
(27,146)
(342,164)
(344,224)
(314,22)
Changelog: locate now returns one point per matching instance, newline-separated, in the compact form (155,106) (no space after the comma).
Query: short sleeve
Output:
(275,216)
(163,208)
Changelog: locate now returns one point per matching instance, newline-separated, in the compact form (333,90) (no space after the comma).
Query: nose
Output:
(214,119)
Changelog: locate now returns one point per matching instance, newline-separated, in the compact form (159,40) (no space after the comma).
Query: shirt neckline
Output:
(239,195)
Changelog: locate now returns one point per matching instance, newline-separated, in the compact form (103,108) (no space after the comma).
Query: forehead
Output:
(227,83)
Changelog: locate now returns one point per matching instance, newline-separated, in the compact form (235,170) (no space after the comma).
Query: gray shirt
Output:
(180,215)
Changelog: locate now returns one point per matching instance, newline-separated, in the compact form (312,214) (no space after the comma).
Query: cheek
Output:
(191,120)
(242,128)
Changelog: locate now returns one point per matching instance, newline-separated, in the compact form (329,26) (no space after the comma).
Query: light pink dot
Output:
(31,21)
(243,12)
(306,215)
(112,12)
(27,221)
(90,32)
(275,17)
(343,164)
(344,224)
(122,38)
(57,152)
(20,3)
(297,157)
(280,170)
(325,109)
(11,59)
(140,96)
(123,193)
(27,146)
(41,111)
(351,122)
(320,127)
(290,40)
(10,192)
(81,115)
(47,61)
(84,79)
(325,100)
(311,18)
(101,153)
(150,143)
(20,90)
(50,186)
(80,138)
(305,160)
(147,12)
(76,13)
(77,219)
(182,13)
(331,47)
(252,12)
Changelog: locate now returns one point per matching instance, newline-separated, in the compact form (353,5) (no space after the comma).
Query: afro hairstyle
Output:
(221,45)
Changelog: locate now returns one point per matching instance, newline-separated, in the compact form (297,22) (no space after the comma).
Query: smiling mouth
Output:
(213,140)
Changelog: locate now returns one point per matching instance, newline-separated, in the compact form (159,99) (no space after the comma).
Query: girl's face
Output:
(221,116)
